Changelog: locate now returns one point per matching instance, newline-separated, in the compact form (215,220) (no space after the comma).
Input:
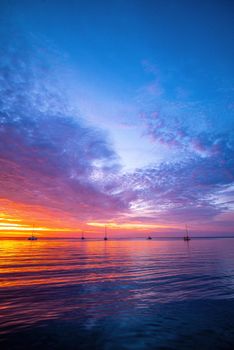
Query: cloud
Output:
(197,165)
(192,189)
(49,157)
(175,115)
(53,164)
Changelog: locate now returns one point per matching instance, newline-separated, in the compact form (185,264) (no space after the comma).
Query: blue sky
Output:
(129,58)
(152,79)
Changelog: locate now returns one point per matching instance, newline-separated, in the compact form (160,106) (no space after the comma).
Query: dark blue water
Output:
(120,294)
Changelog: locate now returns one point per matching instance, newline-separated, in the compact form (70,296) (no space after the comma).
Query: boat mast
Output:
(186,227)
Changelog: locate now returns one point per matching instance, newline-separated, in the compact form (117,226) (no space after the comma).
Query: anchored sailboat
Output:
(149,237)
(32,237)
(82,235)
(105,237)
(186,237)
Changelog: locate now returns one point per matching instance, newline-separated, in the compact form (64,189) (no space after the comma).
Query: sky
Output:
(116,113)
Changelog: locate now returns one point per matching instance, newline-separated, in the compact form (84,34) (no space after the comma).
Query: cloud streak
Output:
(57,169)
(47,156)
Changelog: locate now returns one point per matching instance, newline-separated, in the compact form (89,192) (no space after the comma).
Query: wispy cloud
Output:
(48,156)
(55,166)
(186,190)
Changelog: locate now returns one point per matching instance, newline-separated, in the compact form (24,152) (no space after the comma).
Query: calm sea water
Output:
(119,294)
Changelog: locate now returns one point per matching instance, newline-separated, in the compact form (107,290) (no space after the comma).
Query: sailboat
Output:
(82,235)
(32,237)
(186,237)
(149,237)
(105,237)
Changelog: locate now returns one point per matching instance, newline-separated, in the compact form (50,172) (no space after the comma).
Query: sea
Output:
(120,294)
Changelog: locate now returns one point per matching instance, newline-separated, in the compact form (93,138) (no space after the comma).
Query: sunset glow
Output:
(130,131)
(130,226)
(116,174)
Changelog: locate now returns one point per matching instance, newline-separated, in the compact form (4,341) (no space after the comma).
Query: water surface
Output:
(119,294)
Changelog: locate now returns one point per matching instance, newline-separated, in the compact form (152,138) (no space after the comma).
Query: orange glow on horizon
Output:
(130,226)
(18,218)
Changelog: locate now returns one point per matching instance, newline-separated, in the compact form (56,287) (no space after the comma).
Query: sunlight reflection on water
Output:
(92,280)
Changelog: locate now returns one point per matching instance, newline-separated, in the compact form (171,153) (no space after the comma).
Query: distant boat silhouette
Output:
(186,237)
(149,237)
(105,237)
(32,237)
(82,235)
